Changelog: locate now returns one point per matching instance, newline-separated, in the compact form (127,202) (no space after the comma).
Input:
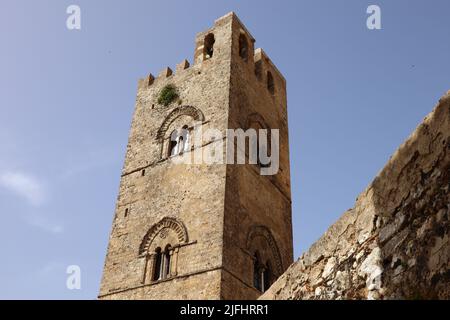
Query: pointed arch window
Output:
(256,273)
(266,277)
(208,46)
(167,254)
(262,277)
(158,264)
(179,141)
(180,144)
(243,47)
(159,249)
(173,144)
(162,263)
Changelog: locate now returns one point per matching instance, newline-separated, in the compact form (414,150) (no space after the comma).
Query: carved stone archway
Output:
(266,234)
(167,222)
(191,111)
(162,241)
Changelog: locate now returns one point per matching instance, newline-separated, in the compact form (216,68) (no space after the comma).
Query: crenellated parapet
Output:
(215,46)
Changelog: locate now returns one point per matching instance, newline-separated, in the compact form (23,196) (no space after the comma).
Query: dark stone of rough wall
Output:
(394,243)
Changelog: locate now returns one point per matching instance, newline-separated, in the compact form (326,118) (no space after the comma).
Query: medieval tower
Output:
(202,231)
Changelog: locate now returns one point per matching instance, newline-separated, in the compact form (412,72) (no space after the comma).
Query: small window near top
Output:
(243,47)
(208,49)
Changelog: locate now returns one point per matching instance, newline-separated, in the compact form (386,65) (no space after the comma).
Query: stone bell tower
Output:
(202,231)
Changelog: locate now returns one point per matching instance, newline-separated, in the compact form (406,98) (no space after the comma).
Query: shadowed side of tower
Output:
(257,222)
(201,231)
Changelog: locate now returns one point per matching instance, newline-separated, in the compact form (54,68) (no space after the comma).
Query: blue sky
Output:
(66,100)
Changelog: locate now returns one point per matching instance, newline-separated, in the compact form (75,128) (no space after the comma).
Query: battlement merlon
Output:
(259,57)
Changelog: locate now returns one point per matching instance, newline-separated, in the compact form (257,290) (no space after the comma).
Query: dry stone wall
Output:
(394,243)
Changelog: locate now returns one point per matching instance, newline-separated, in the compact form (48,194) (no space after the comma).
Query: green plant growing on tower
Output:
(167,95)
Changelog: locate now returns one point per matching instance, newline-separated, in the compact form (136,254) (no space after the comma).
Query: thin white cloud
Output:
(44,224)
(25,186)
(34,192)
(91,160)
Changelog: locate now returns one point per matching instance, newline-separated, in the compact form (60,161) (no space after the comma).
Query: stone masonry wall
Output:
(257,206)
(154,187)
(394,243)
(218,221)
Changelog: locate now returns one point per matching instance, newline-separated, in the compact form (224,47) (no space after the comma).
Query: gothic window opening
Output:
(208,49)
(180,144)
(167,253)
(256,273)
(162,263)
(184,139)
(167,135)
(266,277)
(261,274)
(158,264)
(160,248)
(243,47)
(173,144)
(266,259)
(179,141)
(270,83)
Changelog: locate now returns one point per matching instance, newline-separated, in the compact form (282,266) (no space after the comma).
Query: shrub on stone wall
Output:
(167,95)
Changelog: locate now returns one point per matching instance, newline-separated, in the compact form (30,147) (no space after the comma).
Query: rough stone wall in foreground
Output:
(394,243)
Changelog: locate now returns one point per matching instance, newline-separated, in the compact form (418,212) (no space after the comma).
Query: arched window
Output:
(180,144)
(160,247)
(185,135)
(262,275)
(166,135)
(179,141)
(208,46)
(270,83)
(243,47)
(173,144)
(158,265)
(162,265)
(266,259)
(166,271)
